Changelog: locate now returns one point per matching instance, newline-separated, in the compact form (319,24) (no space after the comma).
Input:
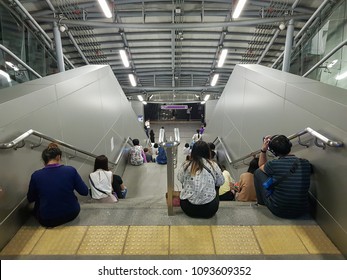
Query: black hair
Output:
(101,162)
(199,151)
(136,142)
(51,152)
(212,146)
(155,145)
(253,165)
(186,145)
(280,145)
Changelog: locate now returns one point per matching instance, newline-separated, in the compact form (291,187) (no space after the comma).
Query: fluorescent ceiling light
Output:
(341,76)
(140,97)
(222,57)
(4,74)
(105,8)
(239,8)
(124,58)
(197,96)
(132,80)
(214,80)
(331,64)
(144,102)
(202,102)
(206,97)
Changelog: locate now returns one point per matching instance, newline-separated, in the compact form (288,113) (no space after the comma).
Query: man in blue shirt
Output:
(52,189)
(282,184)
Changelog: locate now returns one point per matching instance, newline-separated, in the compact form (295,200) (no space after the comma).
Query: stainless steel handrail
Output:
(224,148)
(317,135)
(6,50)
(171,148)
(14,143)
(326,57)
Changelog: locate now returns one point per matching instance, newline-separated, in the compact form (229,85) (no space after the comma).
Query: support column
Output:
(58,47)
(288,46)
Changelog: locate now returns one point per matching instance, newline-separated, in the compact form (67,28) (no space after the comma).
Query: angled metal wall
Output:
(259,101)
(84,107)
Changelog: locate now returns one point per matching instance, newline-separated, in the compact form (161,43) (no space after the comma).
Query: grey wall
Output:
(84,107)
(258,101)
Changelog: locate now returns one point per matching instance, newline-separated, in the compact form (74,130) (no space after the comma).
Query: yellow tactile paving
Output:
(191,240)
(235,240)
(60,241)
(279,240)
(24,241)
(315,240)
(170,240)
(103,240)
(147,240)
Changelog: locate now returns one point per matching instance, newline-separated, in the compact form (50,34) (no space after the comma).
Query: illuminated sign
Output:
(174,107)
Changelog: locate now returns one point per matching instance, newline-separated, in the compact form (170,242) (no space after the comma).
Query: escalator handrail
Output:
(14,143)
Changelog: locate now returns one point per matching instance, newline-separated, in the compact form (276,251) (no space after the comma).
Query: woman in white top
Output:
(196,137)
(200,177)
(101,181)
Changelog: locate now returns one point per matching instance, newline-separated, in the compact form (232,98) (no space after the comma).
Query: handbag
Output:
(176,201)
(114,198)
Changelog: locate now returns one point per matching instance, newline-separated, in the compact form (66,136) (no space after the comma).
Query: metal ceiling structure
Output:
(173,46)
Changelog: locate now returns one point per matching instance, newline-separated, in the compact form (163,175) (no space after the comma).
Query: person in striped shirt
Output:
(282,184)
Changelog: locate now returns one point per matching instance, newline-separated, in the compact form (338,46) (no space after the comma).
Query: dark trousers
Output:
(227,196)
(57,221)
(116,185)
(200,211)
(259,178)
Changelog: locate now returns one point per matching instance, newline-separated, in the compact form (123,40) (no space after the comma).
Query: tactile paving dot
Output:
(279,240)
(315,240)
(24,241)
(235,240)
(60,241)
(103,240)
(191,240)
(147,240)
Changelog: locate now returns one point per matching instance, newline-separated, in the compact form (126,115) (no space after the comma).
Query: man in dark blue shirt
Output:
(282,184)
(52,189)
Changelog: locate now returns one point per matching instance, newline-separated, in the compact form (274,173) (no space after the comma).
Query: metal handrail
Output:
(171,147)
(20,139)
(6,50)
(218,139)
(326,57)
(325,141)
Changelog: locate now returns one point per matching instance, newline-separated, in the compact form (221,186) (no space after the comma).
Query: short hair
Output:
(101,162)
(253,165)
(212,146)
(155,145)
(145,150)
(186,145)
(51,152)
(280,145)
(136,142)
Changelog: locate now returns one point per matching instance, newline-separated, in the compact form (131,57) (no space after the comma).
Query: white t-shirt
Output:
(103,181)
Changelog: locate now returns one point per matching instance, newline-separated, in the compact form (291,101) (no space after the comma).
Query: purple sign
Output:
(174,107)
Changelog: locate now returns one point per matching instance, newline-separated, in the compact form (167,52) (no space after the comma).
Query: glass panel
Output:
(326,39)
(25,45)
